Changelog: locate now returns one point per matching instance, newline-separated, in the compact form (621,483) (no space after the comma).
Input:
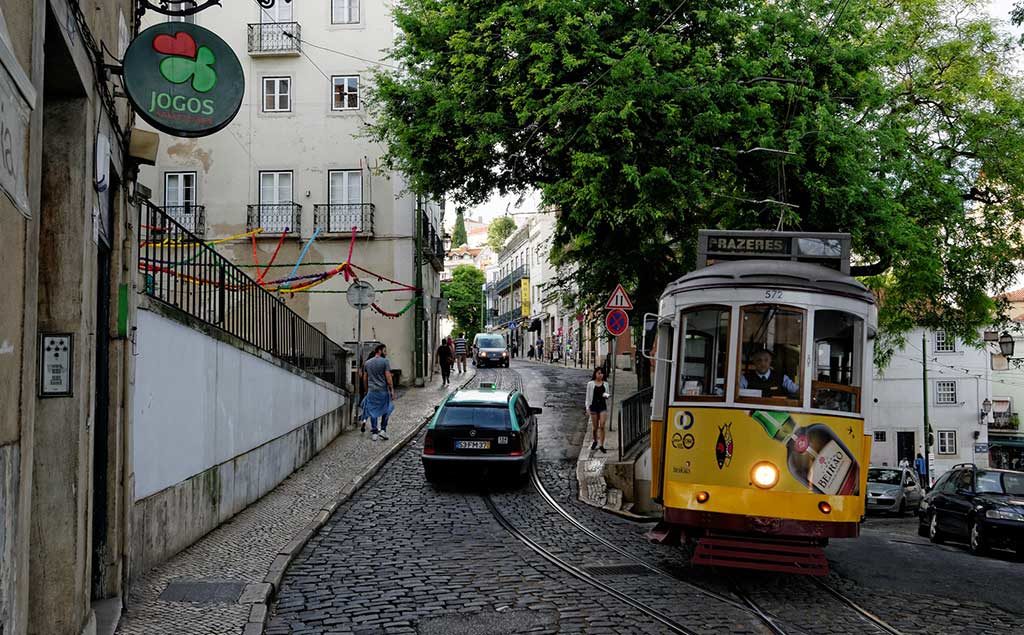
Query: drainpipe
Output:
(418,334)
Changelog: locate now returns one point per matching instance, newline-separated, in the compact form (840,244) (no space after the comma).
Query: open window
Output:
(703,354)
(770,368)
(837,361)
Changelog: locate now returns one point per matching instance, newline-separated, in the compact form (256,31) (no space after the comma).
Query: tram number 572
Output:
(773,294)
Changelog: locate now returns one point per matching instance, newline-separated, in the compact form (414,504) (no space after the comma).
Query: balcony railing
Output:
(180,270)
(340,218)
(275,38)
(509,316)
(275,218)
(191,217)
(433,243)
(522,271)
(634,420)
(1004,421)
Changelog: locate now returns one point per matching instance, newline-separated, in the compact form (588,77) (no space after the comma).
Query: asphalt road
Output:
(404,556)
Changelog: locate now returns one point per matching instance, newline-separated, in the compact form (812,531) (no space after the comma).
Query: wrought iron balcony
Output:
(509,316)
(520,272)
(275,38)
(275,218)
(1004,421)
(433,243)
(191,217)
(340,218)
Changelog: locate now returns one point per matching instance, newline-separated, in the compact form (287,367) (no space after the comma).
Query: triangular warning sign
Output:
(619,299)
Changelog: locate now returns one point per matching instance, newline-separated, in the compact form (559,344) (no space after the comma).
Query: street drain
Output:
(203,591)
(617,569)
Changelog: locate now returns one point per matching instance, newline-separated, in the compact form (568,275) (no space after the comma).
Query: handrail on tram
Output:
(643,340)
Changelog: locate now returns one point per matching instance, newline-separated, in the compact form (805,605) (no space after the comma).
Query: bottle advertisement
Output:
(818,454)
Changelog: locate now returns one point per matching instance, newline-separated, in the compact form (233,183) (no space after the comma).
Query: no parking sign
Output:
(617,322)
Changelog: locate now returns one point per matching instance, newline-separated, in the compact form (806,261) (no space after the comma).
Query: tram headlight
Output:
(764,475)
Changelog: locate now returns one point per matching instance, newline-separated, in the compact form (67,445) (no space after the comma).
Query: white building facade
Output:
(958,383)
(295,161)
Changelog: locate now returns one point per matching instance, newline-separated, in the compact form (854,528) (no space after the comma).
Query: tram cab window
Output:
(703,349)
(836,362)
(771,338)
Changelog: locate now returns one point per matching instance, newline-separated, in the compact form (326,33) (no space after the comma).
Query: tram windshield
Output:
(704,344)
(836,371)
(771,338)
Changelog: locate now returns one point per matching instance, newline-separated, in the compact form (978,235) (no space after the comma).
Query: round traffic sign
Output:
(360,294)
(617,322)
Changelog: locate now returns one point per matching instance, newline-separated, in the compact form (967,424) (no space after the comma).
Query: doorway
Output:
(905,447)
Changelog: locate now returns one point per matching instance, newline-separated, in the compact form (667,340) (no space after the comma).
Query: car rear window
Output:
(886,477)
(485,417)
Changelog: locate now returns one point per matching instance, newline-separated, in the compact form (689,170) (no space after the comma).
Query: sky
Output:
(501,205)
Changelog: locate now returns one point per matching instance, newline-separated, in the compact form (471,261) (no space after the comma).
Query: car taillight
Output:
(515,445)
(428,443)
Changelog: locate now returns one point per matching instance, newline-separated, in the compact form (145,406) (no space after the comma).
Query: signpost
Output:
(360,295)
(183,79)
(617,322)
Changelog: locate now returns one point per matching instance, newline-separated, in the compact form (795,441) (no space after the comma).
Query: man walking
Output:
(378,402)
(461,346)
(445,356)
(921,467)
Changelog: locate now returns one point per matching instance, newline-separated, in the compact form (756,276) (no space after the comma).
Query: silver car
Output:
(893,489)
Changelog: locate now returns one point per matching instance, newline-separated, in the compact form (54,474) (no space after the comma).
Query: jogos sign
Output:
(183,79)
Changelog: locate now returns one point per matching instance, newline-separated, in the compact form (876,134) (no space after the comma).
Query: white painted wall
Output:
(200,402)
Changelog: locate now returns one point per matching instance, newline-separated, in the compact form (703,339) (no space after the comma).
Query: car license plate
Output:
(472,445)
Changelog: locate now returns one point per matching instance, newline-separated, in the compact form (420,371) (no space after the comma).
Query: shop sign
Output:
(183,79)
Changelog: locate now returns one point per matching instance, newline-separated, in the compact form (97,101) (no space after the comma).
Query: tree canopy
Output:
(459,237)
(499,230)
(465,301)
(644,121)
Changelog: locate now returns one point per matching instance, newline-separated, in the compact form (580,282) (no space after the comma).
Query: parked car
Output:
(490,349)
(482,427)
(893,489)
(982,507)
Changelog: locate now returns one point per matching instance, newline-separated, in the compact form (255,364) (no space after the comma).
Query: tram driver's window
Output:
(703,358)
(836,363)
(771,337)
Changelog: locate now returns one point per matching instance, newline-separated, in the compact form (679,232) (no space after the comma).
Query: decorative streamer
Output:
(302,254)
(280,241)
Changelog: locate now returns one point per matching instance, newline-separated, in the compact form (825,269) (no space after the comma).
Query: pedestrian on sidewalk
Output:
(445,357)
(515,348)
(530,352)
(461,346)
(922,470)
(597,408)
(540,350)
(378,404)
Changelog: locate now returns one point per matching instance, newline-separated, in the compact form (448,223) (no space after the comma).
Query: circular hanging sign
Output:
(183,79)
(360,294)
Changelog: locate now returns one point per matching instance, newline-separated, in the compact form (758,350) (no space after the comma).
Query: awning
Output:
(534,326)
(1016,442)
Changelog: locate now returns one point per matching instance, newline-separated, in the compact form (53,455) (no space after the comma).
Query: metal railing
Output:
(509,316)
(433,243)
(282,38)
(182,271)
(634,420)
(191,217)
(520,272)
(1004,421)
(340,218)
(275,218)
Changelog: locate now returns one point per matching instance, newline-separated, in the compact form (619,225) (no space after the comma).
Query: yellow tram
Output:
(757,426)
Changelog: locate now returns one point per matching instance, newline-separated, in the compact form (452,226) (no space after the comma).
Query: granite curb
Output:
(261,594)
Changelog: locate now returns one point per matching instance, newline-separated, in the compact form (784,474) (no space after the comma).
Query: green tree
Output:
(499,230)
(642,122)
(459,232)
(465,298)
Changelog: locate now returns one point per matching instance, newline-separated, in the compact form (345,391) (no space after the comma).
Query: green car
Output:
(482,427)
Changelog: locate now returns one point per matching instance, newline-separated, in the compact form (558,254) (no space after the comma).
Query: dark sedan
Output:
(982,507)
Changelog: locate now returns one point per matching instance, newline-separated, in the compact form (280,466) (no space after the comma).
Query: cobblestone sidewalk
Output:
(251,551)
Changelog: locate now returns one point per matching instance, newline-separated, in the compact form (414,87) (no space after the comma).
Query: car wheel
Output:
(933,529)
(976,539)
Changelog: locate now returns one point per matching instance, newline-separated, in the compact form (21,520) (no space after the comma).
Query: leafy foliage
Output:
(465,301)
(499,230)
(641,122)
(459,237)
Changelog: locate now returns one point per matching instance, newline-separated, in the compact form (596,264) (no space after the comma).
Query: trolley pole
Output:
(924,395)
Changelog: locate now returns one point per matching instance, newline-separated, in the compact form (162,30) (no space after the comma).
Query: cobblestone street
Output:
(404,556)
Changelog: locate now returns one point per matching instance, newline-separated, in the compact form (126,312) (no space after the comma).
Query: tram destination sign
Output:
(830,250)
(183,79)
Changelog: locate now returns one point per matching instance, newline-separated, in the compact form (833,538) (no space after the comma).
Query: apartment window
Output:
(346,92)
(276,201)
(346,186)
(182,4)
(180,189)
(277,94)
(944,343)
(945,392)
(280,12)
(879,436)
(344,11)
(947,441)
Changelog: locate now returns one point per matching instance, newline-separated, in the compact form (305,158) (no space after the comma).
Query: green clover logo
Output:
(185,61)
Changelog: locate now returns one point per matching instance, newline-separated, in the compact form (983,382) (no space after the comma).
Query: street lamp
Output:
(1006,344)
(986,407)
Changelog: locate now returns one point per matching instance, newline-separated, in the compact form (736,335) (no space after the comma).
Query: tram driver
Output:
(766,379)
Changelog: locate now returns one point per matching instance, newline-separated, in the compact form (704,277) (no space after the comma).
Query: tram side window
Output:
(703,359)
(771,338)
(838,353)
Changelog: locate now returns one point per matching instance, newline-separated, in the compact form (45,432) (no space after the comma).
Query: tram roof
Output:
(772,273)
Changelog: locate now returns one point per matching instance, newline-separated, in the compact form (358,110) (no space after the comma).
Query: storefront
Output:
(1006,453)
